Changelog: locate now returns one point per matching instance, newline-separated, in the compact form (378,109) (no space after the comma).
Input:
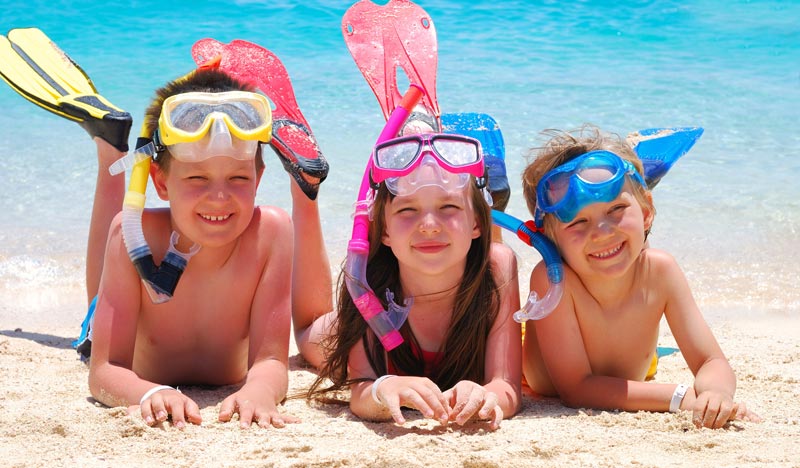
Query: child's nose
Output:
(429,223)
(218,192)
(603,228)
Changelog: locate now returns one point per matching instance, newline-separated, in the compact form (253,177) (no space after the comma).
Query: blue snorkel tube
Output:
(535,308)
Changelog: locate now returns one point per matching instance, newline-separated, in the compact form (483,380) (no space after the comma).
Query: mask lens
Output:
(556,188)
(397,156)
(189,117)
(456,152)
(242,114)
(596,170)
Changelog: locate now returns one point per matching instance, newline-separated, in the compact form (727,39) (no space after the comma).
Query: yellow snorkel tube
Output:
(159,280)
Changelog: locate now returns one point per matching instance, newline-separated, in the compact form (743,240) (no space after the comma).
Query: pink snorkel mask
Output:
(409,163)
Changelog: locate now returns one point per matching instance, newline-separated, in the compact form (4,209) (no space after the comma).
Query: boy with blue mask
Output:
(597,348)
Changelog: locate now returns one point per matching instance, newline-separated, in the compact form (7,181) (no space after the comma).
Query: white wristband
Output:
(375,388)
(153,390)
(677,398)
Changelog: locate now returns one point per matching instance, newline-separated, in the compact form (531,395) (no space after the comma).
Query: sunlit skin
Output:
(229,320)
(430,233)
(595,349)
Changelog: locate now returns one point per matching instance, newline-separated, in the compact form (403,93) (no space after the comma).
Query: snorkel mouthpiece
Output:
(384,323)
(535,308)
(160,281)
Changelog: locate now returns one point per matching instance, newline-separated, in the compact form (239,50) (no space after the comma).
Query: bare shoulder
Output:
(270,220)
(504,261)
(272,214)
(659,262)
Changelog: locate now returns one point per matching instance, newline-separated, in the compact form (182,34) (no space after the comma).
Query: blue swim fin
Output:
(485,129)
(660,148)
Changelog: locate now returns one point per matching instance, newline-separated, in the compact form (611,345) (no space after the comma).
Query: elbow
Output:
(515,400)
(572,399)
(95,388)
(571,402)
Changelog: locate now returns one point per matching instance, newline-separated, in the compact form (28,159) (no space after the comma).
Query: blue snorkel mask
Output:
(597,176)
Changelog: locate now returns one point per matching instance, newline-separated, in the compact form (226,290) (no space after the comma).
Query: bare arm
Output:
(500,396)
(561,344)
(312,294)
(504,350)
(112,380)
(711,398)
(270,323)
(108,194)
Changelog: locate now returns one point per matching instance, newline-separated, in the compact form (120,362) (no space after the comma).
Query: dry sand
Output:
(48,418)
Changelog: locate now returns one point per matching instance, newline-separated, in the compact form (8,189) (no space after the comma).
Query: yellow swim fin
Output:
(37,69)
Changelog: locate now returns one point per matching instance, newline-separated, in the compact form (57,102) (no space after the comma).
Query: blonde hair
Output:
(563,146)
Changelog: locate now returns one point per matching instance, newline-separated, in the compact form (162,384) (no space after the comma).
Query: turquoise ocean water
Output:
(729,211)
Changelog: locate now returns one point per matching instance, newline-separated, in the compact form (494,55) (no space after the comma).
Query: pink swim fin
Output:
(383,38)
(292,139)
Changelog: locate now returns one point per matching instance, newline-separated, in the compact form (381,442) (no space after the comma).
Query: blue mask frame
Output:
(581,192)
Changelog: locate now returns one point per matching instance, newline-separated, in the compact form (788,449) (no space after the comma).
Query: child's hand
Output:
(419,393)
(164,403)
(253,406)
(469,399)
(714,409)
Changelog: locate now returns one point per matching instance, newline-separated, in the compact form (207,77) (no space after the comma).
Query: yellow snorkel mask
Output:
(196,126)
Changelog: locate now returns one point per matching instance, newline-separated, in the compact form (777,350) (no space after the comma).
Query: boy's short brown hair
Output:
(202,80)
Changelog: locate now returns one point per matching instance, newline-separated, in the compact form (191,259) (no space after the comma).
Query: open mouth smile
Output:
(213,218)
(607,253)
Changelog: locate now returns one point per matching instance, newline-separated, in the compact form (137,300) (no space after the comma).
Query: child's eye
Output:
(576,223)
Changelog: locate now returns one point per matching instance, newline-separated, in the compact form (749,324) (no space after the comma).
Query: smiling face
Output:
(212,201)
(431,231)
(605,238)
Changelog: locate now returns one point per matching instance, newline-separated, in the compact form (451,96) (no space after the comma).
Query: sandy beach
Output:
(48,417)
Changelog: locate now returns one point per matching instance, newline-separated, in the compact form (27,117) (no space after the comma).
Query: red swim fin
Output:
(292,138)
(383,38)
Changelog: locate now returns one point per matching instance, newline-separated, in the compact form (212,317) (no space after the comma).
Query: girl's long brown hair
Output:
(464,348)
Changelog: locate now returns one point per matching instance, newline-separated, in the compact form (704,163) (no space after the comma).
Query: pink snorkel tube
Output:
(384,323)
